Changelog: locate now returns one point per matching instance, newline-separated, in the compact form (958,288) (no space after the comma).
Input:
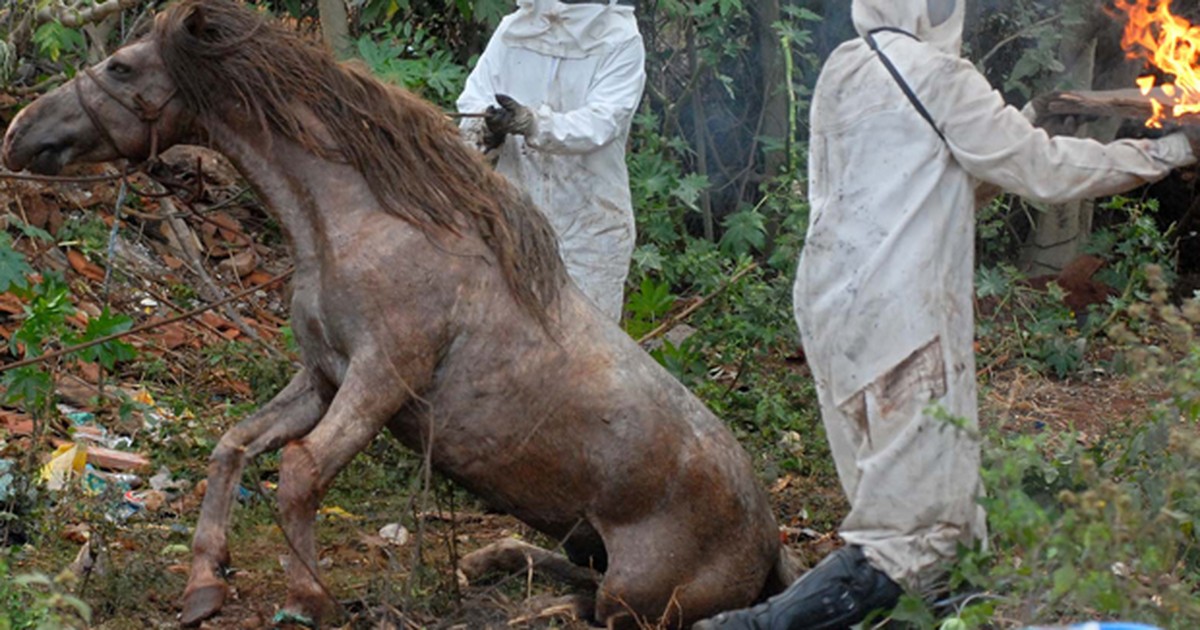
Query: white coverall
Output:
(581,69)
(883,293)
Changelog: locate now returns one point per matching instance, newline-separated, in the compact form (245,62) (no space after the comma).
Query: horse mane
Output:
(223,55)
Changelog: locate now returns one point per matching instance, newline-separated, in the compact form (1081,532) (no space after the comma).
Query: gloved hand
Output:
(510,118)
(1054,124)
(1192,132)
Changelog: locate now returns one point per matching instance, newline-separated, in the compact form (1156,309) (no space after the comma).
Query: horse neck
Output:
(314,199)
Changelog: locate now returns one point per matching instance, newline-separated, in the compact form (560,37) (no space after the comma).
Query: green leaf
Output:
(28,386)
(953,623)
(649,257)
(744,231)
(914,611)
(992,282)
(13,266)
(31,231)
(109,353)
(53,39)
(690,188)
(32,579)
(1064,580)
(801,13)
(651,301)
(490,12)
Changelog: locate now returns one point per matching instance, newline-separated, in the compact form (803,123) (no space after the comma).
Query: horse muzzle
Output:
(40,144)
(44,158)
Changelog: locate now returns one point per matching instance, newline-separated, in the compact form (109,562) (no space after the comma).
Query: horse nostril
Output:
(49,147)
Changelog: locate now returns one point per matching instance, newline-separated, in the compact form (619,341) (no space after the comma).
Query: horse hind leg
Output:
(662,577)
(291,414)
(511,556)
(358,412)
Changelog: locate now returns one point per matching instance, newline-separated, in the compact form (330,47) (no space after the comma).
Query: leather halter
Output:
(147,112)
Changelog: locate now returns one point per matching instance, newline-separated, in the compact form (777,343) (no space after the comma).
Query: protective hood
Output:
(911,16)
(570,31)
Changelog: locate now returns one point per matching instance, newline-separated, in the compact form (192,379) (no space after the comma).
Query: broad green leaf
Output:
(13,266)
(109,353)
(744,231)
(53,39)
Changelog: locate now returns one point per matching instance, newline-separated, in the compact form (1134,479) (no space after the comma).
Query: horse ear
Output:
(195,22)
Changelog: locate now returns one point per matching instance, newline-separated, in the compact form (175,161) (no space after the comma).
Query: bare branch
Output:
(1128,103)
(73,17)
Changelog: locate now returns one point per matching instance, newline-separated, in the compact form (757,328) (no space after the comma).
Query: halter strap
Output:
(892,70)
(147,112)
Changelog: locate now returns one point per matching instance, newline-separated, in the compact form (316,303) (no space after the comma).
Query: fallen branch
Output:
(1128,103)
(679,317)
(75,16)
(145,327)
(39,87)
(60,179)
(186,239)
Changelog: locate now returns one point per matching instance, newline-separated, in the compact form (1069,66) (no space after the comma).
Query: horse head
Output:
(123,107)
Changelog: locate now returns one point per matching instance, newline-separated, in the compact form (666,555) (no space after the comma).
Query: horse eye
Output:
(119,69)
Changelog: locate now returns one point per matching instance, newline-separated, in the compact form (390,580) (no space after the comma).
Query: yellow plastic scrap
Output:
(334,510)
(145,399)
(67,462)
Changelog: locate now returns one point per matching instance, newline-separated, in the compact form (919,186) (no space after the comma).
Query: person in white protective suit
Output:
(902,140)
(560,82)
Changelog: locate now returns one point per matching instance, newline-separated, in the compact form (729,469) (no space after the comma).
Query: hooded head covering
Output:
(911,16)
(570,31)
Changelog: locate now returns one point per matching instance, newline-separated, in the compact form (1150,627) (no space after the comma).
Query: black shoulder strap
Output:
(891,68)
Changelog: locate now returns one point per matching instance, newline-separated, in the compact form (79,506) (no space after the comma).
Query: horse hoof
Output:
(293,618)
(201,603)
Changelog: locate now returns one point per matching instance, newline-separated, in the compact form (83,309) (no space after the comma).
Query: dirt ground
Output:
(374,580)
(222,244)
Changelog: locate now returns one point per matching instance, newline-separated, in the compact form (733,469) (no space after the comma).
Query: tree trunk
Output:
(1062,230)
(700,138)
(774,89)
(335,26)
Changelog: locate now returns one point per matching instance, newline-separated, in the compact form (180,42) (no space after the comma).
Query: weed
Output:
(266,374)
(408,55)
(87,231)
(36,602)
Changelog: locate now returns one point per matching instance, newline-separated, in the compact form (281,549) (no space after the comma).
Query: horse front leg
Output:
(291,414)
(359,411)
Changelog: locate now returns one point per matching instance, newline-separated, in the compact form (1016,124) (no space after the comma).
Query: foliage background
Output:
(717,164)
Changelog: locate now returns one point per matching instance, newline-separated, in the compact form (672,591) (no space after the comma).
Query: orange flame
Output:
(1171,44)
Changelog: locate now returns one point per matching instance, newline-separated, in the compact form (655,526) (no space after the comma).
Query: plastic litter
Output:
(151,500)
(1099,625)
(6,479)
(96,481)
(77,417)
(175,550)
(153,416)
(67,462)
(395,534)
(1114,625)
(83,428)
(338,512)
(162,481)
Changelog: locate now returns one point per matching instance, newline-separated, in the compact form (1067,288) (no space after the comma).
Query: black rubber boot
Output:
(836,594)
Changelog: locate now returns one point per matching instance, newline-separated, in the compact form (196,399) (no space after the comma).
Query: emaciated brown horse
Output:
(429,298)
